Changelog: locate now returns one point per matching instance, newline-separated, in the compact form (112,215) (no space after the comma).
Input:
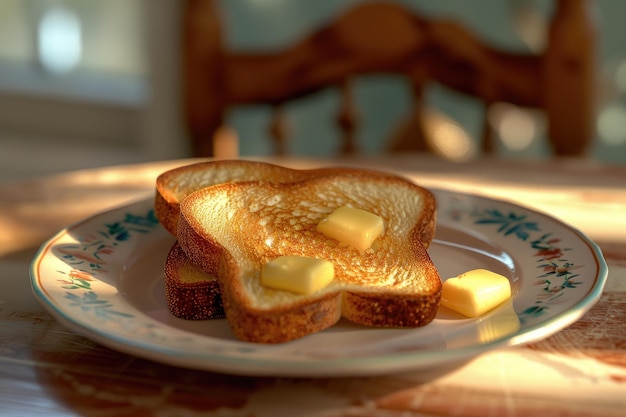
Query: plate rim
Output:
(393,362)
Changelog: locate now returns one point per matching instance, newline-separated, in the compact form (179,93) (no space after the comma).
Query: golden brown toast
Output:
(231,230)
(174,185)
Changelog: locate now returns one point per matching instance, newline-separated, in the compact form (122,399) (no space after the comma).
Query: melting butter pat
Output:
(475,292)
(297,274)
(353,227)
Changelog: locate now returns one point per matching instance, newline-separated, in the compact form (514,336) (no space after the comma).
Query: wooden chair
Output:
(559,81)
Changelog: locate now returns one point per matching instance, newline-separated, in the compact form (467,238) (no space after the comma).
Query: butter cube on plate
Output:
(352,227)
(475,292)
(297,274)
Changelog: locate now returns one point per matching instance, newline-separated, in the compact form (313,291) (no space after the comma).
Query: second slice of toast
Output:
(190,293)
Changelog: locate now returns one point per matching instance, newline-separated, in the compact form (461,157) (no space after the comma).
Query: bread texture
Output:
(230,230)
(174,185)
(190,292)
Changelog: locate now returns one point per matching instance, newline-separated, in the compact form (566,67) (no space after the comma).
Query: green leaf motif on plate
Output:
(89,302)
(556,276)
(88,256)
(91,250)
(510,224)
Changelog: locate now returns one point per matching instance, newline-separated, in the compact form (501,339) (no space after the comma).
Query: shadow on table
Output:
(93,380)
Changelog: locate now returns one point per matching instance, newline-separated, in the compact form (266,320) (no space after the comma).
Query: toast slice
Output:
(174,185)
(191,293)
(231,230)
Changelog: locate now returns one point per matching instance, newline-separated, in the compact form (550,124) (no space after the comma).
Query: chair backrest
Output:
(558,80)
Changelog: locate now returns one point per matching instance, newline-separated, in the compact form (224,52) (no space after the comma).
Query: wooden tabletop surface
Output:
(49,370)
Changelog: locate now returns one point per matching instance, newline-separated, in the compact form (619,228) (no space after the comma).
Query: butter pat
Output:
(353,227)
(297,274)
(475,292)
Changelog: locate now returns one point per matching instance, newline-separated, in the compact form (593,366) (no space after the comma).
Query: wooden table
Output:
(47,370)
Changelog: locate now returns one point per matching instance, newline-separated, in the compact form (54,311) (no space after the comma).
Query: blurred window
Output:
(78,48)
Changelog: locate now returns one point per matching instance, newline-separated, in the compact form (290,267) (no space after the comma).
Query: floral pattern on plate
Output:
(88,260)
(557,270)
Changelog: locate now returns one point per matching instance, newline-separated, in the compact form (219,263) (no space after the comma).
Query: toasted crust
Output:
(174,185)
(230,230)
(190,292)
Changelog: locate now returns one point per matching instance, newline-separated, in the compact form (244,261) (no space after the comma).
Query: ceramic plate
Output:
(103,278)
